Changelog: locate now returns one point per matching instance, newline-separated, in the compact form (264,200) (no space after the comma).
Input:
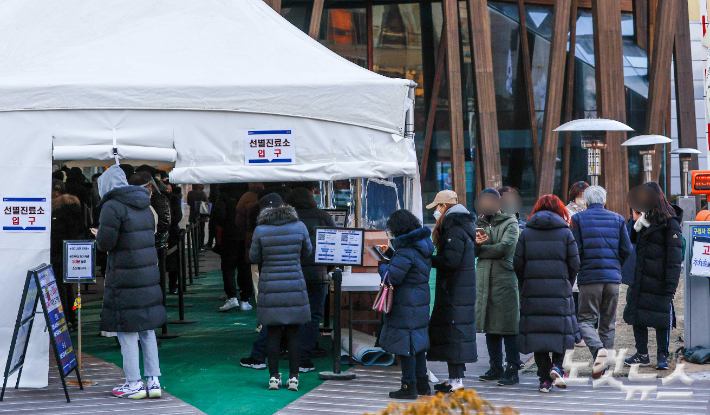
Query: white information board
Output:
(700,262)
(269,147)
(339,246)
(79,261)
(26,214)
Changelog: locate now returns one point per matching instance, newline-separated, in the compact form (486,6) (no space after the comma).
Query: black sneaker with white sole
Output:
(306,367)
(252,363)
(638,359)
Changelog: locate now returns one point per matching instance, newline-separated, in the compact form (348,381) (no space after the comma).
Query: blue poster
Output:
(57,322)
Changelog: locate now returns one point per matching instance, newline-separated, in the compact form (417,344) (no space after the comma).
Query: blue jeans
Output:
(494,342)
(308,332)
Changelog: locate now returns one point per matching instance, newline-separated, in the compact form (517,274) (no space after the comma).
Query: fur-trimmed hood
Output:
(418,239)
(461,217)
(277,216)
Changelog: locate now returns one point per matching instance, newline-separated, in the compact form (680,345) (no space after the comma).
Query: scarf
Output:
(641,223)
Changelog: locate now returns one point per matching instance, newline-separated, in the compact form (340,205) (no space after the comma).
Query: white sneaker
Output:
(126,391)
(456,384)
(244,305)
(293,384)
(258,329)
(154,390)
(274,383)
(230,304)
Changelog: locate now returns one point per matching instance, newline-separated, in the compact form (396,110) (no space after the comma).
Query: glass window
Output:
(344,31)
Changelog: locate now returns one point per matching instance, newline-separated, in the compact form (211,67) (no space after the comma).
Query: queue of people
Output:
(514,281)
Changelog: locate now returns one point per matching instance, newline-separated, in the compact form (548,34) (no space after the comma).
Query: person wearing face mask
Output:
(649,299)
(452,329)
(497,299)
(603,245)
(510,203)
(576,201)
(576,204)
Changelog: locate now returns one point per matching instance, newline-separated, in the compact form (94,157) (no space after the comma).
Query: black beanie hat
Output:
(272,200)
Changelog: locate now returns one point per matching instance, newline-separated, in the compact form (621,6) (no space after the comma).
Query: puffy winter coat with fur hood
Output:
(279,245)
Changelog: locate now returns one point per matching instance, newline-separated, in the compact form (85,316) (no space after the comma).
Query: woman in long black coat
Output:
(546,263)
(405,329)
(649,300)
(452,328)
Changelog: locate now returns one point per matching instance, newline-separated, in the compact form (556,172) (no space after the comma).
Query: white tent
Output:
(183,82)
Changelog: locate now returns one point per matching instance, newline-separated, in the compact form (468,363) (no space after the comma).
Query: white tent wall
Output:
(26,169)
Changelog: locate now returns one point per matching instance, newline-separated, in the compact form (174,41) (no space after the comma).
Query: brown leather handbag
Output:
(384,298)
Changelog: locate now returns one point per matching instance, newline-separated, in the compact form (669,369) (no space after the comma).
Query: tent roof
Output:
(225,55)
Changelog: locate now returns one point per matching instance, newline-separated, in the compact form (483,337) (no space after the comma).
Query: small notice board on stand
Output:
(41,286)
(339,246)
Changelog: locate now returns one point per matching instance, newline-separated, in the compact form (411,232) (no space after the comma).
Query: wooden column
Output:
(641,23)
(479,26)
(316,15)
(527,74)
(611,102)
(659,87)
(274,4)
(569,100)
(553,98)
(440,59)
(684,94)
(453,72)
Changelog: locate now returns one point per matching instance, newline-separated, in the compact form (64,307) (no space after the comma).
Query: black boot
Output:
(510,377)
(407,391)
(495,373)
(423,387)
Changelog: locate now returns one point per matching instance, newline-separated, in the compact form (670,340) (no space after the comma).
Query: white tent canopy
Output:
(183,82)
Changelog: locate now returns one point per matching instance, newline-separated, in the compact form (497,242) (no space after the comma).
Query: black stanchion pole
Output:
(182,271)
(197,248)
(162,257)
(336,374)
(181,282)
(189,245)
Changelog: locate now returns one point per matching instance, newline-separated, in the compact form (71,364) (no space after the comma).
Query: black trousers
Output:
(544,364)
(413,367)
(494,343)
(273,346)
(235,269)
(662,339)
(246,285)
(456,370)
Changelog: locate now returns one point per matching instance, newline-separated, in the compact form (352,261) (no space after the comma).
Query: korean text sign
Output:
(700,255)
(25,214)
(269,147)
(79,261)
(339,246)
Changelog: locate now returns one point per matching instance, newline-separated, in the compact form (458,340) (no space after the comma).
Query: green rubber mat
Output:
(201,367)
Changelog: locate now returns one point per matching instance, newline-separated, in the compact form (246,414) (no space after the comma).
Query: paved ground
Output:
(368,394)
(92,400)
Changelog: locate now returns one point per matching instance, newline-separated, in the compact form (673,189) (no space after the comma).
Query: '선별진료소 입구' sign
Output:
(269,147)
(25,214)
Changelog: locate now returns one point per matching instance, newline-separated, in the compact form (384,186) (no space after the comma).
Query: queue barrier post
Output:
(162,258)
(336,374)
(182,282)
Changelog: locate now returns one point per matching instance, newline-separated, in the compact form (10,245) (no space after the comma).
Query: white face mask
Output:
(580,202)
(437,214)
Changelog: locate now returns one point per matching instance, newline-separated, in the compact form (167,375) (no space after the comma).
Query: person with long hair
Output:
(604,246)
(546,264)
(497,300)
(452,327)
(649,300)
(575,198)
(405,331)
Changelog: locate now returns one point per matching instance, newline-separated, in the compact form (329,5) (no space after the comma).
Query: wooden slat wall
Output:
(553,99)
(316,15)
(527,74)
(440,59)
(482,60)
(274,4)
(641,23)
(611,101)
(453,70)
(660,74)
(684,95)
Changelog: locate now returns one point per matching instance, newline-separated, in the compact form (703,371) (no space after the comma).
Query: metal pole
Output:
(647,165)
(182,282)
(685,163)
(336,374)
(162,257)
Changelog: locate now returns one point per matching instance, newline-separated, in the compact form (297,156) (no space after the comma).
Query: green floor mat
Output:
(201,367)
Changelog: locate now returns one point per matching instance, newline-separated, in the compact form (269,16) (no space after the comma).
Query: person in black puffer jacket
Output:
(546,264)
(159,202)
(67,225)
(133,301)
(173,260)
(304,202)
(649,300)
(452,328)
(405,331)
(279,245)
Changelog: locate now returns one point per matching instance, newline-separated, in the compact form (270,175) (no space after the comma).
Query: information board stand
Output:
(41,285)
(79,267)
(338,247)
